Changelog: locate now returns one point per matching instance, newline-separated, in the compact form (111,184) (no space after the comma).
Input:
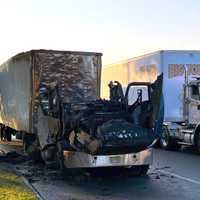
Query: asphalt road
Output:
(185,163)
(174,175)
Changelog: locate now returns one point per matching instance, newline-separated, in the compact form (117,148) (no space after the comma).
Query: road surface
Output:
(174,175)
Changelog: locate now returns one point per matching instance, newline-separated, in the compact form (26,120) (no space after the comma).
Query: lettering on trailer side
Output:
(193,69)
(175,70)
(145,73)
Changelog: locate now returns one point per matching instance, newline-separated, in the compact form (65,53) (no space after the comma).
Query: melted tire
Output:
(31,147)
(9,136)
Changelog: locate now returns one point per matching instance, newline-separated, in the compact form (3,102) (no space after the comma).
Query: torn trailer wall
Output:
(77,74)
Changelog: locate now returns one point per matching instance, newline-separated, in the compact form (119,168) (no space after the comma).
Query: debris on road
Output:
(12,157)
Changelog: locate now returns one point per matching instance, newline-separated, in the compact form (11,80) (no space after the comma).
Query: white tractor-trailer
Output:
(181,91)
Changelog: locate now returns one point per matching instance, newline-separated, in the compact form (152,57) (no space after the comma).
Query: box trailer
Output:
(181,79)
(53,99)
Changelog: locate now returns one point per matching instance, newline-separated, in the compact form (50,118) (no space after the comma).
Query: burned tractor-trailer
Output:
(53,99)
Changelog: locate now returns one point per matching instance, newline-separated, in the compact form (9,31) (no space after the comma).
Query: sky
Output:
(120,29)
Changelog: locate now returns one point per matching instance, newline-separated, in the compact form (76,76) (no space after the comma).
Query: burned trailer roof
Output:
(77,75)
(53,51)
(30,52)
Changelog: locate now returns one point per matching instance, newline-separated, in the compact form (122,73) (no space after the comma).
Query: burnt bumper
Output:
(83,160)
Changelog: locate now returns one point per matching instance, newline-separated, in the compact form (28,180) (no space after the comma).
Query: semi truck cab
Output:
(186,132)
(192,102)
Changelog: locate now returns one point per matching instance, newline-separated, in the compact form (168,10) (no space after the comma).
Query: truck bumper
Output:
(83,160)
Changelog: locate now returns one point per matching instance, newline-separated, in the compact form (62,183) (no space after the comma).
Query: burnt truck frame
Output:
(53,98)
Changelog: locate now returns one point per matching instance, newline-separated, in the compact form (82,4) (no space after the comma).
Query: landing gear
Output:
(166,142)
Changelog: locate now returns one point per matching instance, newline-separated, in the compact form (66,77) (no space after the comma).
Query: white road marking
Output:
(180,177)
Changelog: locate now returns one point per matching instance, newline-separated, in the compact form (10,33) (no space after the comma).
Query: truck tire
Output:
(48,156)
(27,141)
(53,157)
(166,142)
(1,132)
(197,142)
(7,134)
(140,170)
(31,146)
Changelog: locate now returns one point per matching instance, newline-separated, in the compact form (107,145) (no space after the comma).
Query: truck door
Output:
(194,103)
(139,104)
(149,93)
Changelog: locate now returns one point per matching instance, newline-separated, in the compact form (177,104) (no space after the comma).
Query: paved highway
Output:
(184,164)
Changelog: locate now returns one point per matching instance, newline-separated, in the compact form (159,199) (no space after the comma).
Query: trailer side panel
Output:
(15,92)
(76,75)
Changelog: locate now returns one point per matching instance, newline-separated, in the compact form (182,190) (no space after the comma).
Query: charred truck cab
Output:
(61,114)
(107,133)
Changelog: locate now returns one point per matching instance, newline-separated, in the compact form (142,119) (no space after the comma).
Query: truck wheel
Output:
(1,132)
(48,156)
(198,142)
(143,170)
(140,170)
(27,141)
(166,142)
(53,156)
(8,134)
(31,146)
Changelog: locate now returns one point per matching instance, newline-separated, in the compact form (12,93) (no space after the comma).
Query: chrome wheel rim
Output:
(164,137)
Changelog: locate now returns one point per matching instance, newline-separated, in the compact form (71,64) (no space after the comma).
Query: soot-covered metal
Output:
(104,126)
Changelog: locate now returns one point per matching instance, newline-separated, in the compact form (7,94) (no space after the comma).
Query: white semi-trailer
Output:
(181,91)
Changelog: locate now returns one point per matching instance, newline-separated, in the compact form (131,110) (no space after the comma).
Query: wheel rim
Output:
(164,137)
